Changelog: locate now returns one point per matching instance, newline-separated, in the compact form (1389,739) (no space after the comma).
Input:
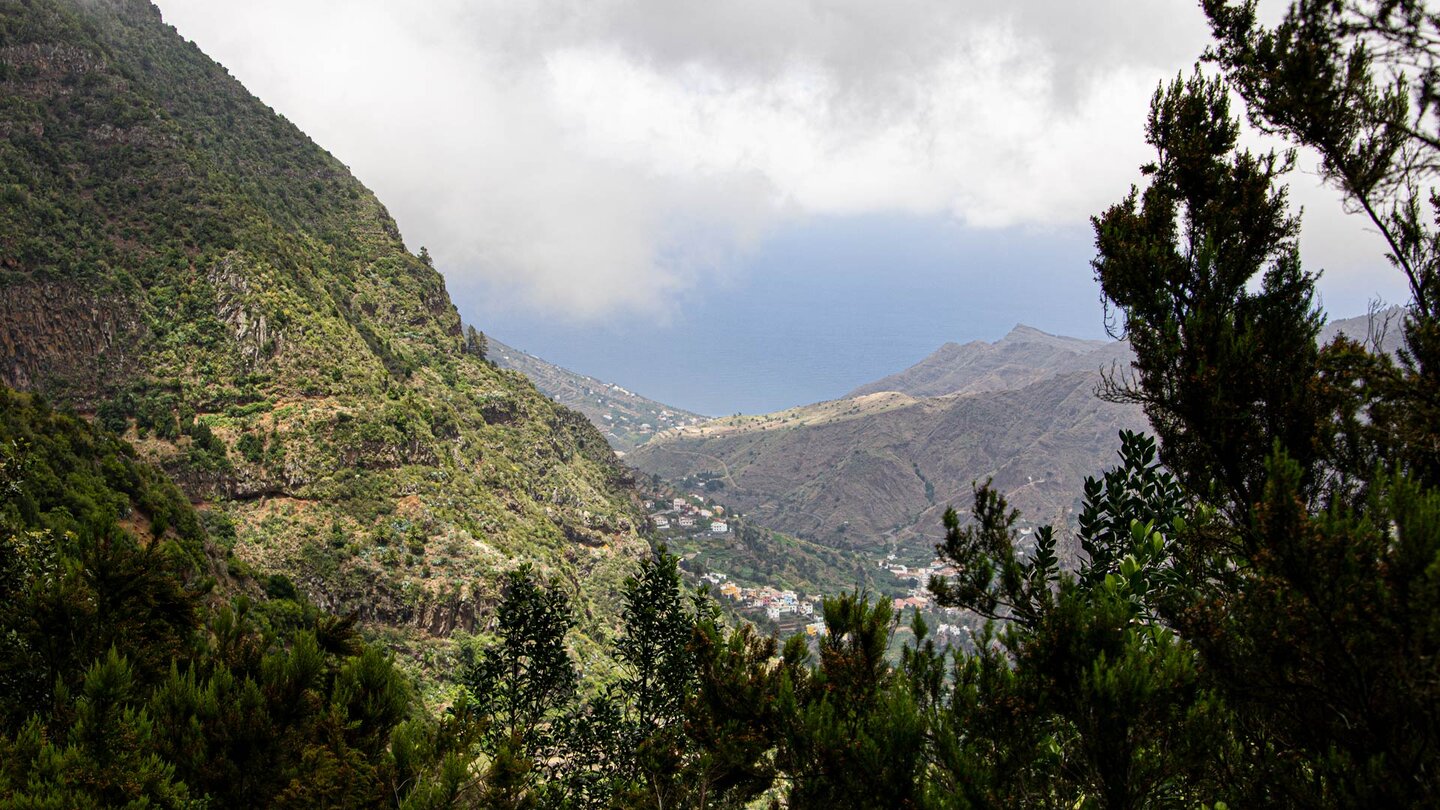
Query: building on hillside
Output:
(719,527)
(661,522)
(686,522)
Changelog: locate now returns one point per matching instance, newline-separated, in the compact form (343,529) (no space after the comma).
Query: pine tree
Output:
(475,342)
(520,685)
(1306,581)
(658,672)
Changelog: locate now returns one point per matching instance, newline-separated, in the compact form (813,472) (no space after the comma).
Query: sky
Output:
(743,205)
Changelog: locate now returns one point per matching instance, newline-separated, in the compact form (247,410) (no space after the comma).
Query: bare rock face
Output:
(56,334)
(235,305)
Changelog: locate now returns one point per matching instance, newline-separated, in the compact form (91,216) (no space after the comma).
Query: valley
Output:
(279,529)
(876,470)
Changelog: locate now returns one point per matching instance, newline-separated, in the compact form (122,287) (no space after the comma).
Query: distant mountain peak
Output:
(1024,330)
(1024,355)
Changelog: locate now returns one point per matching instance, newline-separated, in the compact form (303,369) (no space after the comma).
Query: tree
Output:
(852,735)
(628,744)
(733,714)
(520,684)
(1307,583)
(658,674)
(1085,692)
(475,342)
(1223,371)
(1356,82)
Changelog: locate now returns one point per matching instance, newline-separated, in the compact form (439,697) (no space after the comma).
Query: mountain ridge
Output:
(881,465)
(1024,354)
(625,418)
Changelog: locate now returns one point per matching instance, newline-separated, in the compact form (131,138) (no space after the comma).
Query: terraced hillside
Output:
(183,264)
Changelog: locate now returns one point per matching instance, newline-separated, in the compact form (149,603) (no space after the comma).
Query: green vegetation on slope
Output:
(125,681)
(186,265)
(1255,619)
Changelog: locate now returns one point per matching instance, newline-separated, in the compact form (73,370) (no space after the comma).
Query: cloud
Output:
(608,157)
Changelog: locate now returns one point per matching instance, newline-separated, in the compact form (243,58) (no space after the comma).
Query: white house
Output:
(719,527)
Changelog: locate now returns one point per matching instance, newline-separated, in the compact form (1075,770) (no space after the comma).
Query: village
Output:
(788,611)
(689,514)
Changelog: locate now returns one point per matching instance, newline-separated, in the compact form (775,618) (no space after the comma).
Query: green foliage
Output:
(251,446)
(1085,693)
(994,580)
(475,342)
(1287,569)
(853,736)
(519,685)
(653,643)
(1222,369)
(124,686)
(190,262)
(528,672)
(1253,620)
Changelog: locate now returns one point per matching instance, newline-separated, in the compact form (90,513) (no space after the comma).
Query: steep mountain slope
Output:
(627,419)
(883,467)
(186,265)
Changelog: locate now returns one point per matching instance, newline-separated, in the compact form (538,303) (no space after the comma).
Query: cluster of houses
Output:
(617,419)
(689,515)
(786,608)
(791,612)
(919,577)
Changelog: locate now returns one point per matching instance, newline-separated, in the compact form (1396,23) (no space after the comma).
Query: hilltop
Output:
(1022,356)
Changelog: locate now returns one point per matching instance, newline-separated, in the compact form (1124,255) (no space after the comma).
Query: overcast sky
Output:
(593,170)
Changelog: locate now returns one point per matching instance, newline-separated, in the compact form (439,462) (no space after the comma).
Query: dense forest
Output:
(1254,619)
